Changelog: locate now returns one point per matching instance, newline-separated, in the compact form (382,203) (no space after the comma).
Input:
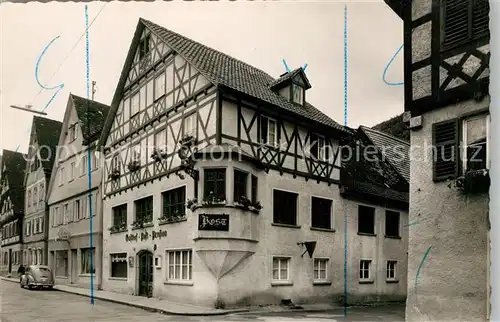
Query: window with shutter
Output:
(464,21)
(445,151)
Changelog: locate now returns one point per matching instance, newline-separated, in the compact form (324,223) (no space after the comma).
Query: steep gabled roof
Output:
(91,117)
(14,164)
(221,70)
(290,75)
(47,133)
(394,150)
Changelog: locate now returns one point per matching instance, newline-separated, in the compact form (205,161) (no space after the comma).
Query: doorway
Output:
(145,273)
(10,261)
(74,266)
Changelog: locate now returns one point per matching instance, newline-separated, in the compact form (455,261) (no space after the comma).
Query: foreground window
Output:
(391,223)
(215,184)
(240,184)
(475,137)
(174,203)
(366,220)
(88,255)
(391,270)
(120,215)
(320,269)
(321,213)
(365,270)
(285,207)
(268,131)
(144,210)
(281,267)
(119,265)
(180,265)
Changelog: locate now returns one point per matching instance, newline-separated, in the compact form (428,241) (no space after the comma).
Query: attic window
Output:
(72,132)
(144,47)
(297,94)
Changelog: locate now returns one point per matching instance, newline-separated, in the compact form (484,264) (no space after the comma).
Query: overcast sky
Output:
(259,33)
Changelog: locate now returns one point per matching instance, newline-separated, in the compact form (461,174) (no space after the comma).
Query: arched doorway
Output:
(145,273)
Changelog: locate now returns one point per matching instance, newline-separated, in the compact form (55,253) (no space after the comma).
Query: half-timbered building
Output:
(40,159)
(11,211)
(72,255)
(220,181)
(447,106)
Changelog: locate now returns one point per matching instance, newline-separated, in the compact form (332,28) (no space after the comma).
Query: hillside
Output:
(394,127)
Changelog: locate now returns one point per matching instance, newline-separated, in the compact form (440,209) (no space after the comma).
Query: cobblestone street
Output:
(20,305)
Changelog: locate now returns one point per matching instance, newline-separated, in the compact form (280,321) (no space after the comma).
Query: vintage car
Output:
(37,276)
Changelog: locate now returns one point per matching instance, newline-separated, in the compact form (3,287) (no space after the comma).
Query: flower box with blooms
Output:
(473,182)
(212,200)
(118,228)
(134,165)
(141,223)
(166,219)
(192,204)
(115,174)
(247,204)
(158,154)
(188,140)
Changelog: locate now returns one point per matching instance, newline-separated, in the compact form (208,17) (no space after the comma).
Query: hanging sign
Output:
(213,222)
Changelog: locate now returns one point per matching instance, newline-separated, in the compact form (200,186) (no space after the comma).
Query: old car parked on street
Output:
(37,276)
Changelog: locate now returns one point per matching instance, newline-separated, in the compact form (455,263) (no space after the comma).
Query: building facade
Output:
(41,154)
(72,255)
(11,212)
(216,190)
(447,107)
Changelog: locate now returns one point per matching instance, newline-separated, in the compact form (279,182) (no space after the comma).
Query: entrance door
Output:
(74,266)
(10,261)
(146,274)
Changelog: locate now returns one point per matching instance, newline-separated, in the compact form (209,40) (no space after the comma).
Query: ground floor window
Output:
(61,268)
(88,259)
(391,270)
(365,269)
(180,265)
(119,265)
(320,269)
(281,268)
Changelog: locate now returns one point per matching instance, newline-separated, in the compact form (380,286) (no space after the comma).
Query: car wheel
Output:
(51,288)
(30,287)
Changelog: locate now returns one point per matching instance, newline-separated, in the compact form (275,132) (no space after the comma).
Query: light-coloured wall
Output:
(452,282)
(254,240)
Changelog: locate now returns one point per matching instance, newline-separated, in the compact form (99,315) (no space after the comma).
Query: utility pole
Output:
(93,89)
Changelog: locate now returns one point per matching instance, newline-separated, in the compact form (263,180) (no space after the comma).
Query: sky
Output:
(259,33)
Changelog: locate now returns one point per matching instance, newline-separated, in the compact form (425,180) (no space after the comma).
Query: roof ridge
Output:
(205,46)
(385,134)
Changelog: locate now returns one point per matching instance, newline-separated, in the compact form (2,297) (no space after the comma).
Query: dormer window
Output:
(297,94)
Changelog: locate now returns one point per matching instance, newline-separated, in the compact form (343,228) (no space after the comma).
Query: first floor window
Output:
(120,215)
(281,266)
(215,184)
(180,265)
(321,213)
(83,165)
(240,184)
(144,210)
(366,220)
(364,269)
(391,270)
(392,223)
(87,260)
(285,207)
(320,268)
(174,203)
(119,265)
(268,131)
(476,140)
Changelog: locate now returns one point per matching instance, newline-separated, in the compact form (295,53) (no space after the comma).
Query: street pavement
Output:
(19,305)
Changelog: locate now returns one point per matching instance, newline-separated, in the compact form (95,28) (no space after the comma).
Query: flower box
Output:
(474,182)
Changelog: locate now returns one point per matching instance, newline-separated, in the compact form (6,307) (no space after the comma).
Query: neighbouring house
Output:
(40,159)
(11,211)
(221,183)
(75,253)
(374,185)
(447,107)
